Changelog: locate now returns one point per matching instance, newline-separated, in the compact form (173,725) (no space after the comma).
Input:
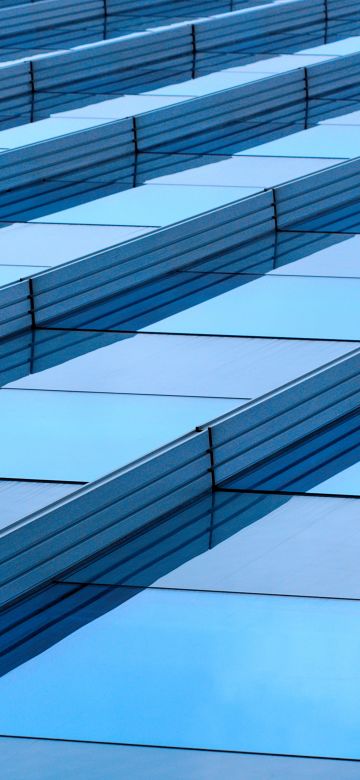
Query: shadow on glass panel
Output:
(46,196)
(327,463)
(294,246)
(342,218)
(139,307)
(46,617)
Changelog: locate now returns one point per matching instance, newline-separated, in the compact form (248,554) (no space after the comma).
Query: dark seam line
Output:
(105,14)
(43,481)
(179,748)
(326,21)
(135,134)
(284,493)
(32,357)
(201,428)
(193,42)
(274,200)
(307,98)
(321,232)
(201,335)
(267,273)
(32,86)
(111,586)
(114,392)
(32,304)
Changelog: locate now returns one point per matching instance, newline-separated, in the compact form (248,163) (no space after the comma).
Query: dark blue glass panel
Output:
(326,462)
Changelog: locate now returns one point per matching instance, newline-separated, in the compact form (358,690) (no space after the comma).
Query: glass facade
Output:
(179,402)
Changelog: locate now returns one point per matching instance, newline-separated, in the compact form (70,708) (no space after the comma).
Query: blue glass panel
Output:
(19,499)
(150,205)
(12,273)
(246,171)
(50,245)
(323,141)
(282,63)
(37,758)
(214,82)
(346,482)
(80,436)
(180,365)
(353,118)
(43,130)
(243,542)
(325,462)
(337,48)
(229,672)
(317,254)
(275,306)
(118,108)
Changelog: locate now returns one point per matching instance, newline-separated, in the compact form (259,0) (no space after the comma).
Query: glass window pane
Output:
(39,758)
(251,673)
(275,306)
(173,365)
(80,436)
(322,141)
(244,543)
(50,245)
(150,205)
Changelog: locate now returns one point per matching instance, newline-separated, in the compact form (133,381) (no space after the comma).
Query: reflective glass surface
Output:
(229,672)
(275,306)
(50,245)
(173,365)
(241,542)
(118,108)
(325,141)
(88,761)
(81,436)
(326,462)
(349,45)
(150,206)
(211,83)
(246,171)
(12,273)
(44,130)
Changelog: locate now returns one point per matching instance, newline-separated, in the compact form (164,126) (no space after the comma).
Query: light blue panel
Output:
(44,130)
(341,259)
(305,546)
(51,245)
(249,673)
(346,482)
(19,499)
(205,85)
(121,107)
(276,306)
(322,141)
(353,118)
(247,172)
(337,48)
(281,64)
(81,436)
(36,759)
(150,205)
(179,365)
(12,273)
